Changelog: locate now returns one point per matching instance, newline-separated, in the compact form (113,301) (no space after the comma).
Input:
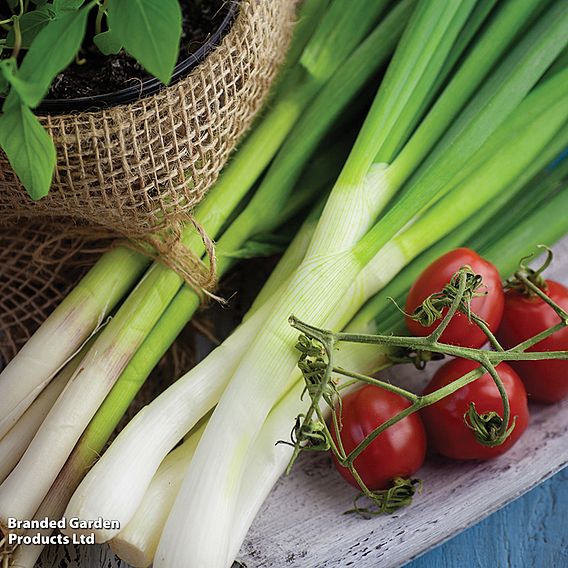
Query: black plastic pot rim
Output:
(144,88)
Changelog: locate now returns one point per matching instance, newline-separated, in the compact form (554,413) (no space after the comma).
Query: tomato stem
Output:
(500,435)
(485,328)
(462,276)
(377,382)
(390,500)
(534,276)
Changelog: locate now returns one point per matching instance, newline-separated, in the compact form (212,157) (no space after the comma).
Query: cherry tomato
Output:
(489,307)
(526,316)
(444,420)
(397,452)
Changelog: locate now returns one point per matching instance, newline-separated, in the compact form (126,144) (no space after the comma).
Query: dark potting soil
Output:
(98,74)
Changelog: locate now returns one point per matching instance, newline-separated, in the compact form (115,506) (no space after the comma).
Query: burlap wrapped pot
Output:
(135,168)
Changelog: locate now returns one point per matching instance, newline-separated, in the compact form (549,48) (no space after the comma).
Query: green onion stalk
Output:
(136,546)
(141,536)
(464,134)
(99,430)
(125,511)
(137,542)
(177,314)
(351,76)
(502,220)
(15,442)
(268,461)
(322,170)
(20,495)
(84,310)
(290,260)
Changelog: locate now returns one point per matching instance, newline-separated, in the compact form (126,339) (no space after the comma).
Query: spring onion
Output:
(14,443)
(62,334)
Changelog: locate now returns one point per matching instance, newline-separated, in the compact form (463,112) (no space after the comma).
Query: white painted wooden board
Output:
(301,525)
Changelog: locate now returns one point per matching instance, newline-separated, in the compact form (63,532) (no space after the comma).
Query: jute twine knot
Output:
(168,248)
(165,246)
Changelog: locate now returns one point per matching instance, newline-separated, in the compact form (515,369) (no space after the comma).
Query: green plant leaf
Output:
(27,91)
(108,43)
(150,31)
(31,23)
(13,3)
(39,3)
(53,49)
(61,6)
(28,147)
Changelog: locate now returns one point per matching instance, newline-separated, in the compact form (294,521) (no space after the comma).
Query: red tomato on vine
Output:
(526,316)
(488,307)
(447,430)
(397,452)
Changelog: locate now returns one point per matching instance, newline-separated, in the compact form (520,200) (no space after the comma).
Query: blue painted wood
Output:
(530,532)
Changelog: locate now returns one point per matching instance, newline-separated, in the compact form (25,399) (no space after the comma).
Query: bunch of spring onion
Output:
(471,103)
(136,543)
(125,346)
(491,234)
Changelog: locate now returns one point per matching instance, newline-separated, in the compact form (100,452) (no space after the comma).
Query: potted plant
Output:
(129,154)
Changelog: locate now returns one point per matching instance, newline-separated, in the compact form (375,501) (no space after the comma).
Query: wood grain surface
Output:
(302,524)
